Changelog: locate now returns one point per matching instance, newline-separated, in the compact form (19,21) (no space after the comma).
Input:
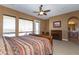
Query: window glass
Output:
(8,26)
(25,27)
(37,27)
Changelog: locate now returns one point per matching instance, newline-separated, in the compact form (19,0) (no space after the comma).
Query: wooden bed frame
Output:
(45,36)
(48,37)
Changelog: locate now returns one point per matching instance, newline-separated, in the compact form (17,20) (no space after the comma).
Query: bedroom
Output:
(38,27)
(15,24)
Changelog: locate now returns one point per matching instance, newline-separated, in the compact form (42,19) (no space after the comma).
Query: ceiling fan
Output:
(41,11)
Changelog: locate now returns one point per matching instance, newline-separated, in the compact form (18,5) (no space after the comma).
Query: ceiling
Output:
(56,9)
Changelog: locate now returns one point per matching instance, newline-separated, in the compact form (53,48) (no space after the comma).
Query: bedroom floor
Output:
(65,48)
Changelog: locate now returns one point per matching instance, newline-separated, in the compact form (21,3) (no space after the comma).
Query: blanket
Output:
(25,45)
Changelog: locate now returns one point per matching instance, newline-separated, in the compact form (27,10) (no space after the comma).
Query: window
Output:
(25,26)
(8,26)
(37,27)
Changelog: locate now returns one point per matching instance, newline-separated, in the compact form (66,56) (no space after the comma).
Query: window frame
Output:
(36,21)
(17,25)
(27,31)
(3,23)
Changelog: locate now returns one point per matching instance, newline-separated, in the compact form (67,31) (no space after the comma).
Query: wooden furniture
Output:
(49,37)
(56,34)
(73,32)
(45,36)
(73,36)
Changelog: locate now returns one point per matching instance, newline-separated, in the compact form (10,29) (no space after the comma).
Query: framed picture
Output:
(57,24)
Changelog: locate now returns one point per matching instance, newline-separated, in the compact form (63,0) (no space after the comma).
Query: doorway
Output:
(73,29)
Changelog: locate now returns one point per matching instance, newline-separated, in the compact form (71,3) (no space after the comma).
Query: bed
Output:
(25,45)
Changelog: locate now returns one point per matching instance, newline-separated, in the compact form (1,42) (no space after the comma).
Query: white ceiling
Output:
(56,9)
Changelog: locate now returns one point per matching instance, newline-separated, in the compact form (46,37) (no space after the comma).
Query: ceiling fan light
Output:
(41,13)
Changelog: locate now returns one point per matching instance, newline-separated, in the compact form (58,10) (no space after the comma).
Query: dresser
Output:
(73,36)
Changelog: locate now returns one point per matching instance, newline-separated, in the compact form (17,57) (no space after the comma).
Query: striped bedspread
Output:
(25,45)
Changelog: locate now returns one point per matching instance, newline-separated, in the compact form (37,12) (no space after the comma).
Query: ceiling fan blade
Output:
(35,12)
(38,14)
(40,8)
(47,11)
(45,14)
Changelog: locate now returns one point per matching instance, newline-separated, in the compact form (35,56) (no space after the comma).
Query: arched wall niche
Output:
(73,23)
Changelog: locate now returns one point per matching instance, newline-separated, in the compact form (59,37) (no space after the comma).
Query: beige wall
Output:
(17,14)
(63,18)
(44,26)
